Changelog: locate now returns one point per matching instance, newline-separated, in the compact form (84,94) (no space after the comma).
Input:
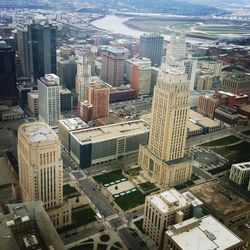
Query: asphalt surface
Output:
(97,197)
(132,240)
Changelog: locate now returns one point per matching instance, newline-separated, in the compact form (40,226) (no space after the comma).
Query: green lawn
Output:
(68,190)
(79,218)
(222,141)
(147,186)
(235,153)
(133,171)
(109,177)
(246,132)
(130,200)
(184,185)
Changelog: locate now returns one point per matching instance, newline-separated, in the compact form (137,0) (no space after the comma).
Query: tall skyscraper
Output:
(8,89)
(67,73)
(40,164)
(49,99)
(151,46)
(164,158)
(23,49)
(97,94)
(112,70)
(177,55)
(42,41)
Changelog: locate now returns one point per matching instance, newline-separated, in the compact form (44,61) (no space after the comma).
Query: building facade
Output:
(163,159)
(42,42)
(40,164)
(8,88)
(151,46)
(112,70)
(49,99)
(240,173)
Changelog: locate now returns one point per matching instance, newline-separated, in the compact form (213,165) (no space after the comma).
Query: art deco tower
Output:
(164,158)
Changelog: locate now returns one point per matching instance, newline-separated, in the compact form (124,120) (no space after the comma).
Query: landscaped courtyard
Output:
(110,178)
(222,141)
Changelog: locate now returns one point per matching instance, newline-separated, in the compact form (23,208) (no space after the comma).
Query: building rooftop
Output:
(50,80)
(110,131)
(65,91)
(208,234)
(192,199)
(115,50)
(33,94)
(242,165)
(73,123)
(168,200)
(202,120)
(246,108)
(28,227)
(37,132)
(192,126)
(173,70)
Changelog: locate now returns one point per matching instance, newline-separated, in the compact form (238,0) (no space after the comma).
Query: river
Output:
(115,24)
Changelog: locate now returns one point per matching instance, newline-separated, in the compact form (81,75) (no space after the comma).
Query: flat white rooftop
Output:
(168,200)
(202,120)
(108,132)
(209,234)
(38,132)
(73,123)
(192,199)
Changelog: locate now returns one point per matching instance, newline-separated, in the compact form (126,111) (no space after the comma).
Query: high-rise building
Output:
(42,41)
(33,102)
(49,99)
(23,49)
(8,88)
(112,70)
(205,80)
(151,46)
(67,73)
(97,93)
(163,159)
(40,164)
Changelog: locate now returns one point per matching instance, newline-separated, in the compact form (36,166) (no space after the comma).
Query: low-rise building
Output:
(11,113)
(204,233)
(226,115)
(165,209)
(65,126)
(121,94)
(101,144)
(240,173)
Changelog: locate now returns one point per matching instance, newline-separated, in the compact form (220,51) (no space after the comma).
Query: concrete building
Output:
(121,94)
(65,52)
(66,126)
(154,76)
(139,61)
(163,159)
(204,80)
(49,99)
(42,42)
(10,113)
(240,173)
(214,66)
(207,105)
(226,115)
(112,70)
(27,226)
(101,144)
(151,46)
(236,84)
(66,100)
(67,73)
(141,79)
(205,233)
(97,93)
(40,164)
(165,209)
(33,103)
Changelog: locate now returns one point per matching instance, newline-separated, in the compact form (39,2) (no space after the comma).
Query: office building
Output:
(227,115)
(42,42)
(23,89)
(65,52)
(27,226)
(240,173)
(23,49)
(40,164)
(33,103)
(49,99)
(101,144)
(8,88)
(236,84)
(67,73)
(97,93)
(204,80)
(207,105)
(112,70)
(163,159)
(66,100)
(139,61)
(205,233)
(65,126)
(165,209)
(121,94)
(151,46)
